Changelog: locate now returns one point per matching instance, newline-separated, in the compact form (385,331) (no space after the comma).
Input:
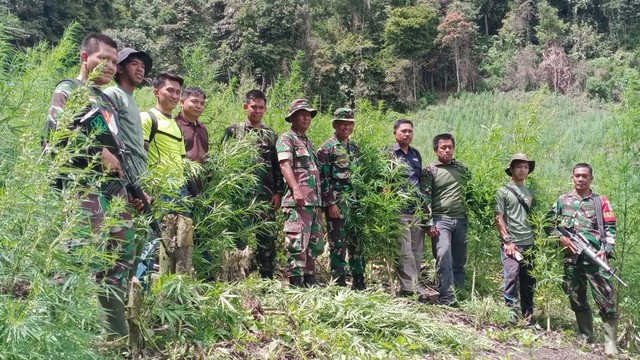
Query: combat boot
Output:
(115,314)
(341,280)
(358,282)
(296,281)
(309,280)
(584,318)
(610,335)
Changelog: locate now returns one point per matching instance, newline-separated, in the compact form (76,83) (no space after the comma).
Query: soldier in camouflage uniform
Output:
(591,215)
(337,158)
(99,49)
(302,199)
(270,182)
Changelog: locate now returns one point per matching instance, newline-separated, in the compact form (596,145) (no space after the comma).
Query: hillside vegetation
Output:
(182,317)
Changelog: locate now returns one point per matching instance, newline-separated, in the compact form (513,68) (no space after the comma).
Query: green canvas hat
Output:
(520,157)
(300,104)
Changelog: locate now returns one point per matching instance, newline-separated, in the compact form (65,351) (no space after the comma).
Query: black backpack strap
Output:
(600,217)
(526,207)
(154,126)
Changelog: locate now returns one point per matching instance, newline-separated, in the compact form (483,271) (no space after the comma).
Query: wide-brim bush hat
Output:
(343,114)
(128,52)
(520,157)
(300,104)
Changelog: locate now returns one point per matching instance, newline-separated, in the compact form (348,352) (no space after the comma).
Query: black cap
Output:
(125,53)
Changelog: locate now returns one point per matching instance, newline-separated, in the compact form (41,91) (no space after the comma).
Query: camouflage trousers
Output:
(119,240)
(303,239)
(574,285)
(119,243)
(341,242)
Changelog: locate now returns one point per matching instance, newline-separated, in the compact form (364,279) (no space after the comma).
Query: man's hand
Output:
(298,196)
(275,201)
(510,249)
(568,245)
(602,255)
(334,212)
(110,162)
(137,203)
(433,231)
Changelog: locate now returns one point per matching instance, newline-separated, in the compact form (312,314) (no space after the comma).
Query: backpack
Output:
(154,129)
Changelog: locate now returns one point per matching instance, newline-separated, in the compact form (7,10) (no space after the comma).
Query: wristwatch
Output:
(506,239)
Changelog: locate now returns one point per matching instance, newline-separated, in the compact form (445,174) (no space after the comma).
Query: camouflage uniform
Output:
(269,183)
(337,162)
(95,206)
(303,232)
(578,214)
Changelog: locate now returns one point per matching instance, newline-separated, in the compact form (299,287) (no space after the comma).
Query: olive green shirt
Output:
(514,214)
(446,188)
(130,127)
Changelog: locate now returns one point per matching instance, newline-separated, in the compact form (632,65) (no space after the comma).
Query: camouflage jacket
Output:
(268,172)
(573,212)
(337,162)
(96,100)
(299,150)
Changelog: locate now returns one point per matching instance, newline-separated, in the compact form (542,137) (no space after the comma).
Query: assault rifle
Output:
(584,247)
(96,124)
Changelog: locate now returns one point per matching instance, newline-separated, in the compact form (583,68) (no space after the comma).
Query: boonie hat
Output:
(520,157)
(343,114)
(300,104)
(125,53)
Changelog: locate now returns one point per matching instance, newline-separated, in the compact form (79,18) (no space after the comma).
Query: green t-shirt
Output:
(167,148)
(513,213)
(446,188)
(130,127)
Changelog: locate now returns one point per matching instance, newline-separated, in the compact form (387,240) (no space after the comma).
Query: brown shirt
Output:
(196,139)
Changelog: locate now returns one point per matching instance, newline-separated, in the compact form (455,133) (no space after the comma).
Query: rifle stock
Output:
(584,247)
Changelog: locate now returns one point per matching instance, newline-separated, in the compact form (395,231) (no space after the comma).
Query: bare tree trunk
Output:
(184,248)
(169,230)
(136,341)
(415,91)
(457,56)
(486,25)
(177,232)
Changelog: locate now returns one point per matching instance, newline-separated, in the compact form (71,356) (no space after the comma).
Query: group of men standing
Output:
(441,192)
(307,185)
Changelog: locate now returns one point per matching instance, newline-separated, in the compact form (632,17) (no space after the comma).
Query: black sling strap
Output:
(599,217)
(526,207)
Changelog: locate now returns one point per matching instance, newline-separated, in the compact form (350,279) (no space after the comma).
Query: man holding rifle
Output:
(98,58)
(578,216)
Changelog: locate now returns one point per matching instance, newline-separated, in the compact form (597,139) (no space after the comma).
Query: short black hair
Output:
(445,136)
(255,95)
(582,165)
(91,43)
(399,122)
(193,91)
(158,82)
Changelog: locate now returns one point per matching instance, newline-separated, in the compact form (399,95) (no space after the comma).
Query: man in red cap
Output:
(302,202)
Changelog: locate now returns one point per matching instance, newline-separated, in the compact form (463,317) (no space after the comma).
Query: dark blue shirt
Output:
(413,160)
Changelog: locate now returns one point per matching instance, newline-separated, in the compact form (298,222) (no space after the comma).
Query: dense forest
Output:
(555,79)
(402,52)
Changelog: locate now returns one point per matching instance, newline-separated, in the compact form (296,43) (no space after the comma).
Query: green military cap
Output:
(343,114)
(520,157)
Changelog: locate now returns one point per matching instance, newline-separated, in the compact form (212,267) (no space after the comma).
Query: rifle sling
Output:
(600,218)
